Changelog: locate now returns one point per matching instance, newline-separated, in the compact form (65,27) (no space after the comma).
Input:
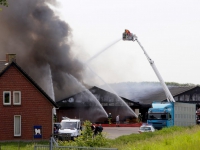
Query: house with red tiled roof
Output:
(26,111)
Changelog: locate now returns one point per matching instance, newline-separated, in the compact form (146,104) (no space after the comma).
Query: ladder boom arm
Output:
(132,37)
(165,88)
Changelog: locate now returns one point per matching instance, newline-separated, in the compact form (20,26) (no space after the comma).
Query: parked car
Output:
(146,128)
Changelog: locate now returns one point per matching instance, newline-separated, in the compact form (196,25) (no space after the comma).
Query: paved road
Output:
(114,132)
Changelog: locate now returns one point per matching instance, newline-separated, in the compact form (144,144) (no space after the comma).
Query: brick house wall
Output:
(35,108)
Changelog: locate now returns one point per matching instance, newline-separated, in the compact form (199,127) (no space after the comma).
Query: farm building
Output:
(25,109)
(29,109)
(94,105)
(184,94)
(79,105)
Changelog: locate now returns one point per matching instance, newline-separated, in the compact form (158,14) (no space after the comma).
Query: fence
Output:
(46,147)
(54,146)
(62,137)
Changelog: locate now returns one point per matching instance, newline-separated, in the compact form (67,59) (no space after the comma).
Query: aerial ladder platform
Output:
(128,36)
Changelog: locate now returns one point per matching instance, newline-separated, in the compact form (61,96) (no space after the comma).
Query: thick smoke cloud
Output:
(38,37)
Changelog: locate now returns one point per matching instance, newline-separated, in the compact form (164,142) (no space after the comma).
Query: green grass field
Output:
(20,145)
(174,138)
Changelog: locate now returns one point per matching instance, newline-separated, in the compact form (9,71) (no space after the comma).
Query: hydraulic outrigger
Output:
(127,36)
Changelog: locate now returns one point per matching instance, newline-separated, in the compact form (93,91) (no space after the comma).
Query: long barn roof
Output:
(94,90)
(159,95)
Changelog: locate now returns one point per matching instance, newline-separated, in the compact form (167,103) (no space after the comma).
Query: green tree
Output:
(4,3)
(88,139)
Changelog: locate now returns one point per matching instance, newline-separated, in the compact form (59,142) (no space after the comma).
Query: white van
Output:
(69,127)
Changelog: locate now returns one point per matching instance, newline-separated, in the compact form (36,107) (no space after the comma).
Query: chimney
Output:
(10,58)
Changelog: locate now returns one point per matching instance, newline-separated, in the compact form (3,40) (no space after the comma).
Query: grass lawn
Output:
(20,145)
(174,138)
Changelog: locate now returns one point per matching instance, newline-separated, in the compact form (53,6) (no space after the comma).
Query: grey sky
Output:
(168,30)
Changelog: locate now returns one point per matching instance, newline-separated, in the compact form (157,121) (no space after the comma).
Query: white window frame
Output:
(15,117)
(14,103)
(4,92)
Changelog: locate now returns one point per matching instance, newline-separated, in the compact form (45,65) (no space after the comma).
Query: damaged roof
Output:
(159,95)
(99,93)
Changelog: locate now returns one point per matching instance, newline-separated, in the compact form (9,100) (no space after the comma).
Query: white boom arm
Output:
(131,37)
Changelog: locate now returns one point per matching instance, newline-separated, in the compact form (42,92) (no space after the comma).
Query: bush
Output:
(87,139)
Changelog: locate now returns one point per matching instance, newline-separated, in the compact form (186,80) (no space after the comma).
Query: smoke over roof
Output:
(40,40)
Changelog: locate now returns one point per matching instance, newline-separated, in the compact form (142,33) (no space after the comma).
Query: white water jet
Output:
(119,98)
(98,107)
(96,55)
(52,94)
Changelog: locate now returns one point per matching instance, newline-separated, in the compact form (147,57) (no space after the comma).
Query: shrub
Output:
(87,139)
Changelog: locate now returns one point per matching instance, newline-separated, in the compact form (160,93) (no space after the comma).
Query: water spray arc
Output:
(119,98)
(96,55)
(51,83)
(91,98)
(52,94)
(121,101)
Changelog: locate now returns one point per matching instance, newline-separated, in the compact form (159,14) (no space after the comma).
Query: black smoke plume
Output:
(31,30)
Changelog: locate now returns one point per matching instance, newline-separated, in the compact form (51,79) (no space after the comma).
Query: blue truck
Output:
(166,114)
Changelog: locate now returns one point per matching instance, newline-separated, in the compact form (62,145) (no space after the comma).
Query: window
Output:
(16,97)
(6,97)
(17,125)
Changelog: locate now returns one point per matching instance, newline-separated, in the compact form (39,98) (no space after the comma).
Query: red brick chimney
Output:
(10,58)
